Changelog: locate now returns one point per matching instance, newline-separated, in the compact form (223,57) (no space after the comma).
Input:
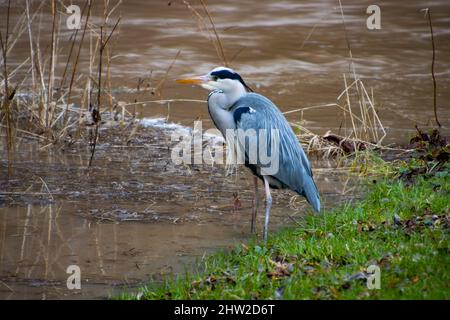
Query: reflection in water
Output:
(40,242)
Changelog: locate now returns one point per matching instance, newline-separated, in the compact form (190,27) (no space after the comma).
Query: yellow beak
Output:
(195,80)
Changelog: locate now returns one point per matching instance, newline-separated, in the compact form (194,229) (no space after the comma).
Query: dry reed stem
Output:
(7,98)
(210,31)
(74,70)
(159,86)
(51,71)
(219,42)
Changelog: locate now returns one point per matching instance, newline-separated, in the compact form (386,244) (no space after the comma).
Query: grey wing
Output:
(256,112)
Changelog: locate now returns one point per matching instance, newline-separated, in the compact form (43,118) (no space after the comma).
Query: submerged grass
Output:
(400,226)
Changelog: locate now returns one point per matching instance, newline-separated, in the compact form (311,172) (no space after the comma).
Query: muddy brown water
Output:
(134,216)
(138,216)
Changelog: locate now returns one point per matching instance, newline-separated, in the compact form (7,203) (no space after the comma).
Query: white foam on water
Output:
(162,123)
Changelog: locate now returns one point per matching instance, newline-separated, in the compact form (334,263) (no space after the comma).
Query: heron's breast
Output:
(222,118)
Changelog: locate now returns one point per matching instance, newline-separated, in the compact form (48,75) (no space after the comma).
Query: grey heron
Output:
(232,105)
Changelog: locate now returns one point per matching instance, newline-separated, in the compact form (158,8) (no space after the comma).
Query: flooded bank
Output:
(134,216)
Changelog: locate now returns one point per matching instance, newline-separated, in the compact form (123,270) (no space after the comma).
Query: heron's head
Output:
(220,78)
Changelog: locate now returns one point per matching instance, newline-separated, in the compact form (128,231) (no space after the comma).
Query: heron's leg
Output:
(268,206)
(255,204)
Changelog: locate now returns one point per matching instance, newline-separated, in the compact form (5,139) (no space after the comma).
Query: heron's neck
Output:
(227,98)
(235,94)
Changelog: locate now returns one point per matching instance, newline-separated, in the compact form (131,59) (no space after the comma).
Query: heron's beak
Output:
(196,80)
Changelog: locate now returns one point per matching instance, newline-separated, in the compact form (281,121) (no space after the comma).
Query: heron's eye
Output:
(214,78)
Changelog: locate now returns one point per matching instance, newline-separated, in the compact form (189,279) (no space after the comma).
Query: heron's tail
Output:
(311,193)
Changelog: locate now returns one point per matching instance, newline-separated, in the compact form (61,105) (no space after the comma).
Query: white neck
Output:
(220,102)
(235,94)
(227,94)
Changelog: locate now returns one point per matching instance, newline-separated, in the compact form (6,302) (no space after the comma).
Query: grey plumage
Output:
(294,169)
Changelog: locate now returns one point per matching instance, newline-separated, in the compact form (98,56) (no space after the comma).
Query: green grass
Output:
(314,261)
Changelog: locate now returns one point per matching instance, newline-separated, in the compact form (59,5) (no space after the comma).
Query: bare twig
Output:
(96,110)
(428,13)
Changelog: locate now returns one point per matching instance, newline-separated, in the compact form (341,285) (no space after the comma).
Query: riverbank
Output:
(400,226)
